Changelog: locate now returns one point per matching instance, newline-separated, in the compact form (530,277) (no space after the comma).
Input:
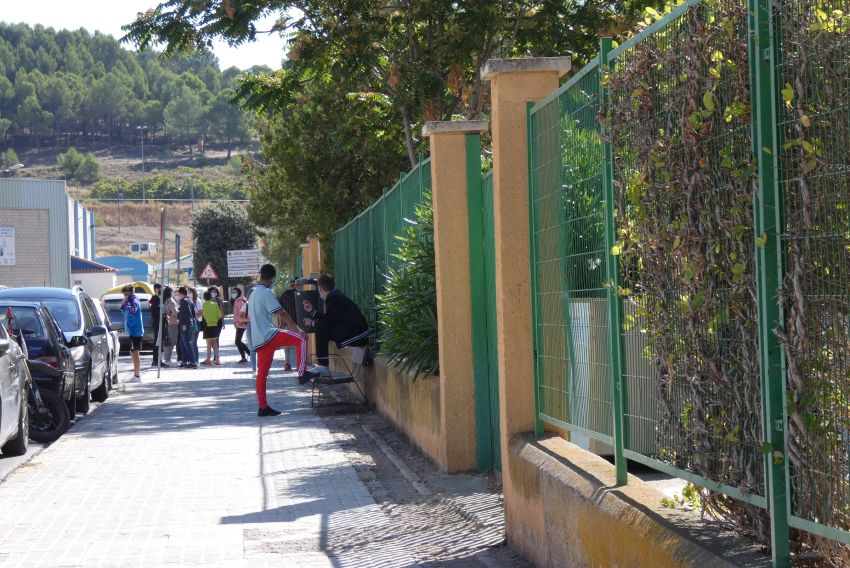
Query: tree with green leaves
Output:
(182,116)
(342,116)
(227,120)
(218,228)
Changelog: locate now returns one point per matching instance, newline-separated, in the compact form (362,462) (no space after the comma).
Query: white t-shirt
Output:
(261,309)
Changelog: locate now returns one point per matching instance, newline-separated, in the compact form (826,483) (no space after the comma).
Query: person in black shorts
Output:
(154,304)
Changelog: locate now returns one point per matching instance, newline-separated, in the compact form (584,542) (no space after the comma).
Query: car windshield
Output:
(25,320)
(65,312)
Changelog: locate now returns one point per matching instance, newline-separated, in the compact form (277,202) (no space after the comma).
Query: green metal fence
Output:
(364,248)
(677,283)
(568,223)
(813,76)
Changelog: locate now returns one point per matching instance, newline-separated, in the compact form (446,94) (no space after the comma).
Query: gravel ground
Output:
(458,524)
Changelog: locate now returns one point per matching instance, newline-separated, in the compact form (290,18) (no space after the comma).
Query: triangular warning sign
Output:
(208,273)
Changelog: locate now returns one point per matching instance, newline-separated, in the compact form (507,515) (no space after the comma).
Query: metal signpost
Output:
(158,346)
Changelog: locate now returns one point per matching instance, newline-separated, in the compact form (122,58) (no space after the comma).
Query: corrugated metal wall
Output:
(45,194)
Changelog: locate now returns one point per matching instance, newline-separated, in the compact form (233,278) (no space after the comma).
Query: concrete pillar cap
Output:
(494,67)
(455,127)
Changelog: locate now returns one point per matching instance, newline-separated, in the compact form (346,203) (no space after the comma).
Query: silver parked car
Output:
(114,339)
(14,382)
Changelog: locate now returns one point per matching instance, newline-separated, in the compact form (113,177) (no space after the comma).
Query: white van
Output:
(142,248)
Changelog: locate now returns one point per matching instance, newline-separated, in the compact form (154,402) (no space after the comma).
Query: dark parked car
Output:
(112,305)
(75,314)
(14,379)
(51,362)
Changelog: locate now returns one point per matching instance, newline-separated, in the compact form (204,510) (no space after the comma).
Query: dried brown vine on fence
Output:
(814,166)
(680,125)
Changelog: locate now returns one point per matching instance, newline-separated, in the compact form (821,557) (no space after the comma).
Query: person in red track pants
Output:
(266,314)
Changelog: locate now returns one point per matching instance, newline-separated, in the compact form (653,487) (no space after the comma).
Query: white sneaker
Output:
(323,370)
(135,379)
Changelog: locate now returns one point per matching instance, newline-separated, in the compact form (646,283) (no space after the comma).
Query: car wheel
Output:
(54,422)
(101,393)
(18,445)
(84,401)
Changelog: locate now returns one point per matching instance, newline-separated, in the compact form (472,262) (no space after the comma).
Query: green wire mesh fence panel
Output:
(364,248)
(297,268)
(813,71)
(573,356)
(684,172)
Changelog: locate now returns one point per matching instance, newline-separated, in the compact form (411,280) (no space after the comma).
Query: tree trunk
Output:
(408,138)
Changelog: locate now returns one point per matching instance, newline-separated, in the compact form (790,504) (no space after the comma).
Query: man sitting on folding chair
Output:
(341,322)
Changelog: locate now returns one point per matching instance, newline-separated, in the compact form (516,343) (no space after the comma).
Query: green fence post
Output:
(478,299)
(618,391)
(767,204)
(535,316)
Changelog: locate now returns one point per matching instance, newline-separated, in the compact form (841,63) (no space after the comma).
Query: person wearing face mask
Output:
(216,297)
(238,302)
(135,329)
(187,327)
(341,321)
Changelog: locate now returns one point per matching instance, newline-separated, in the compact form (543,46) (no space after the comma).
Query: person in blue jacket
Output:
(134,328)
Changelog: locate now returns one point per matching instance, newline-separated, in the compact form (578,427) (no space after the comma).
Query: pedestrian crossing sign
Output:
(208,273)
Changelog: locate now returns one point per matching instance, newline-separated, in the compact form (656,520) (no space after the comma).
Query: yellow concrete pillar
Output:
(514,83)
(315,245)
(454,327)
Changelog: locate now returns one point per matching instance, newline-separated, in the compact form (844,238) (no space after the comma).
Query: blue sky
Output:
(107,16)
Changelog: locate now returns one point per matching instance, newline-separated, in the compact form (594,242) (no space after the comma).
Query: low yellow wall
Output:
(413,407)
(567,511)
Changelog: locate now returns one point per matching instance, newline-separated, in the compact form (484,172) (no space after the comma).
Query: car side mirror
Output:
(77,341)
(4,346)
(96,330)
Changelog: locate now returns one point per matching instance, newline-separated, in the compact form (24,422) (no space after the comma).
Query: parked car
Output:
(51,362)
(114,339)
(14,379)
(74,312)
(142,248)
(112,304)
(50,393)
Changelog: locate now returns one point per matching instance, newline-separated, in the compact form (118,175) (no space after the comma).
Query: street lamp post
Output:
(141,130)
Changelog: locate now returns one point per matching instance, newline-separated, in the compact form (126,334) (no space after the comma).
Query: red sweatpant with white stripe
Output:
(265,355)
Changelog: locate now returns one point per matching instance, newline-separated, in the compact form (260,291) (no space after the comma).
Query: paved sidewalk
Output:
(179,471)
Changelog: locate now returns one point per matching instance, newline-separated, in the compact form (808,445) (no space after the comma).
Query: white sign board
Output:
(7,246)
(243,263)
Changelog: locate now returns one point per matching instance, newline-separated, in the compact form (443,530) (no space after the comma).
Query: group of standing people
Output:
(184,318)
(267,321)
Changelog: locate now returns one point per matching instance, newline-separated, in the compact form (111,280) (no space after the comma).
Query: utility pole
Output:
(177,254)
(191,177)
(120,197)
